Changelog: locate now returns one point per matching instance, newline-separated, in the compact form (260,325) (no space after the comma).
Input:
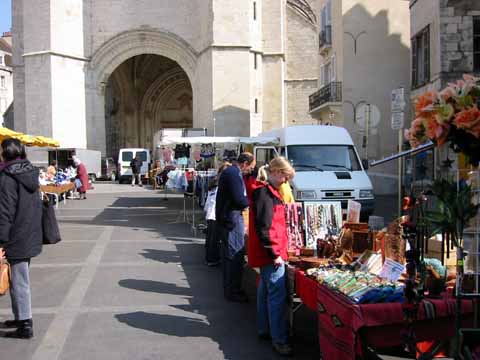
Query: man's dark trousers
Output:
(233,262)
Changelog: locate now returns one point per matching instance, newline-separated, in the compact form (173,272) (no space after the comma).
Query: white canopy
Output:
(218,139)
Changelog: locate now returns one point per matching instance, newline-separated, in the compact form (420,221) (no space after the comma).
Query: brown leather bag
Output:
(4,277)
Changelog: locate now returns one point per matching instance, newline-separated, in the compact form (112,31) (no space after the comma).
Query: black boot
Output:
(24,331)
(8,324)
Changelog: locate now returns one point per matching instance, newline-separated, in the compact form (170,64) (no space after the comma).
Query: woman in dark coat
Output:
(20,230)
(82,175)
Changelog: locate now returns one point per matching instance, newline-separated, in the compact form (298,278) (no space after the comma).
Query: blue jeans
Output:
(271,303)
(20,289)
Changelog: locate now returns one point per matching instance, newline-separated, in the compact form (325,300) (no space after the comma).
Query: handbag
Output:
(78,183)
(51,231)
(4,277)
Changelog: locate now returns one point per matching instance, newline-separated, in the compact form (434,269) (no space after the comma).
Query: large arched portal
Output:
(143,95)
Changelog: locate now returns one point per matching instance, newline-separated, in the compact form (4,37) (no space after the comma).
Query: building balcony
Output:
(329,95)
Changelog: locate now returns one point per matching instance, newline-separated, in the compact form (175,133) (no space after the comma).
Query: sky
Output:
(5,15)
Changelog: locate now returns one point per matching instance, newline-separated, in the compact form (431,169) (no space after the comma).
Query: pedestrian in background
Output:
(81,181)
(231,200)
(136,165)
(20,231)
(212,245)
(52,169)
(267,249)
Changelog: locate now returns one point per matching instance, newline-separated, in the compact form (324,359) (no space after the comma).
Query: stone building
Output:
(445,42)
(364,54)
(106,74)
(6,77)
(445,45)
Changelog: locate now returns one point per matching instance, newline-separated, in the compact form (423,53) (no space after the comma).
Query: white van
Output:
(125,156)
(326,162)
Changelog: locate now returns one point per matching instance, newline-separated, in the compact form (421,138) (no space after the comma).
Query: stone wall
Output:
(456,38)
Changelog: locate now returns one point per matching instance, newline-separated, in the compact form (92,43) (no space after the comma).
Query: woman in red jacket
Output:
(82,175)
(267,249)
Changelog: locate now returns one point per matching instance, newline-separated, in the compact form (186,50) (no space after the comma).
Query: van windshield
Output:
(323,158)
(127,156)
(142,155)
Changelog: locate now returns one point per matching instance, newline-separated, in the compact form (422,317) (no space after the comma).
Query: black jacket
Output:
(20,210)
(136,165)
(231,197)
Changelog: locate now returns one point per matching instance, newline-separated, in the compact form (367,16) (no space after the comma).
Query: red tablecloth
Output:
(343,326)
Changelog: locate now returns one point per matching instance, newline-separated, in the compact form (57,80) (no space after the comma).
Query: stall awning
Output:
(219,140)
(28,140)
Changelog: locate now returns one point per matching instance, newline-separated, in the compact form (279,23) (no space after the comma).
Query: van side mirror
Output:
(365,164)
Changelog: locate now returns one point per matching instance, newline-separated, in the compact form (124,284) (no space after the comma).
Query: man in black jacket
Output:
(230,202)
(136,165)
(20,230)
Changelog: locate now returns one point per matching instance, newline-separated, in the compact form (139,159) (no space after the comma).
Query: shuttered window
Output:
(421,58)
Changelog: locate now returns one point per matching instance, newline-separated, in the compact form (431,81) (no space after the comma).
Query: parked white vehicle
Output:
(327,164)
(125,156)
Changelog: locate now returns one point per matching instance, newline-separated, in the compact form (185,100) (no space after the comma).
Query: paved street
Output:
(128,282)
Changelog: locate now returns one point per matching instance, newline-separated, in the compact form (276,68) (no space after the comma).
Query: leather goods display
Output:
(51,232)
(4,277)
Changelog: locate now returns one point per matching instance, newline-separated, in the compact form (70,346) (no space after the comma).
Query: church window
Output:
(254,10)
(1,60)
(255,64)
(256,106)
(2,82)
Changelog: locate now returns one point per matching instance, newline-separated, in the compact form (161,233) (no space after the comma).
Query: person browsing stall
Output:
(267,249)
(212,248)
(231,200)
(20,231)
(81,179)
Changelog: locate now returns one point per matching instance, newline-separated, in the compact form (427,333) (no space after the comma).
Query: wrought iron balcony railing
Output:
(331,93)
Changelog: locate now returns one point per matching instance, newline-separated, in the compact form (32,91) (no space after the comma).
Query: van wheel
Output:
(113,177)
(92,178)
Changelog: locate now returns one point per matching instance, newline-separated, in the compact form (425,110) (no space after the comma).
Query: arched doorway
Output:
(113,95)
(143,95)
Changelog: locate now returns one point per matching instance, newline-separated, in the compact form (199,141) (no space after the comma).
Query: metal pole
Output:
(367,128)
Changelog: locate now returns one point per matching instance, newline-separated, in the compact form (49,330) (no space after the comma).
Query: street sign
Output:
(398,120)
(398,100)
(362,116)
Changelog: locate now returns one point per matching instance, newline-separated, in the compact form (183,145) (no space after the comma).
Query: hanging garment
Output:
(182,151)
(207,151)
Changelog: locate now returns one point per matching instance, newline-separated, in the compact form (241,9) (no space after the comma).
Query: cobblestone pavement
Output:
(128,281)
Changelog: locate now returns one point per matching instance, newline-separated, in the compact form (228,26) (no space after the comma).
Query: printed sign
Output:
(391,270)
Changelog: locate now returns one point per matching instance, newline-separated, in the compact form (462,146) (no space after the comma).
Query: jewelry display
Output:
(295,227)
(322,219)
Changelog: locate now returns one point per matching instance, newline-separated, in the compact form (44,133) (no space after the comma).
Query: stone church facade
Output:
(105,74)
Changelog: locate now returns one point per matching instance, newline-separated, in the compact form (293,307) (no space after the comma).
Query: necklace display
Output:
(322,219)
(295,227)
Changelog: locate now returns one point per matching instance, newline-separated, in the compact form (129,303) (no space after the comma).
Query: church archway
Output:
(170,65)
(143,95)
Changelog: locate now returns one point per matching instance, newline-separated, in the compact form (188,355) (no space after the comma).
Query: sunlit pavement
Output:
(128,281)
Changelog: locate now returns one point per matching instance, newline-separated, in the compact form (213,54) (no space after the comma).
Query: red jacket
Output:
(83,176)
(269,240)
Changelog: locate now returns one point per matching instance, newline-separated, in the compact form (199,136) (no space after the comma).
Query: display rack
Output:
(468,273)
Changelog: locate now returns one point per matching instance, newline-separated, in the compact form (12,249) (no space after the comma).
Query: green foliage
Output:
(454,209)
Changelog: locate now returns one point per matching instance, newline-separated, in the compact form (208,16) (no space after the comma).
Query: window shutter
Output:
(329,13)
(334,68)
(426,54)
(414,62)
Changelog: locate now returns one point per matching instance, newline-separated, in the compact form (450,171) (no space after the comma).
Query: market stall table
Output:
(346,328)
(57,190)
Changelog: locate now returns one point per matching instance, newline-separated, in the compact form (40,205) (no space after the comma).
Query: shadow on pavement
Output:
(232,326)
